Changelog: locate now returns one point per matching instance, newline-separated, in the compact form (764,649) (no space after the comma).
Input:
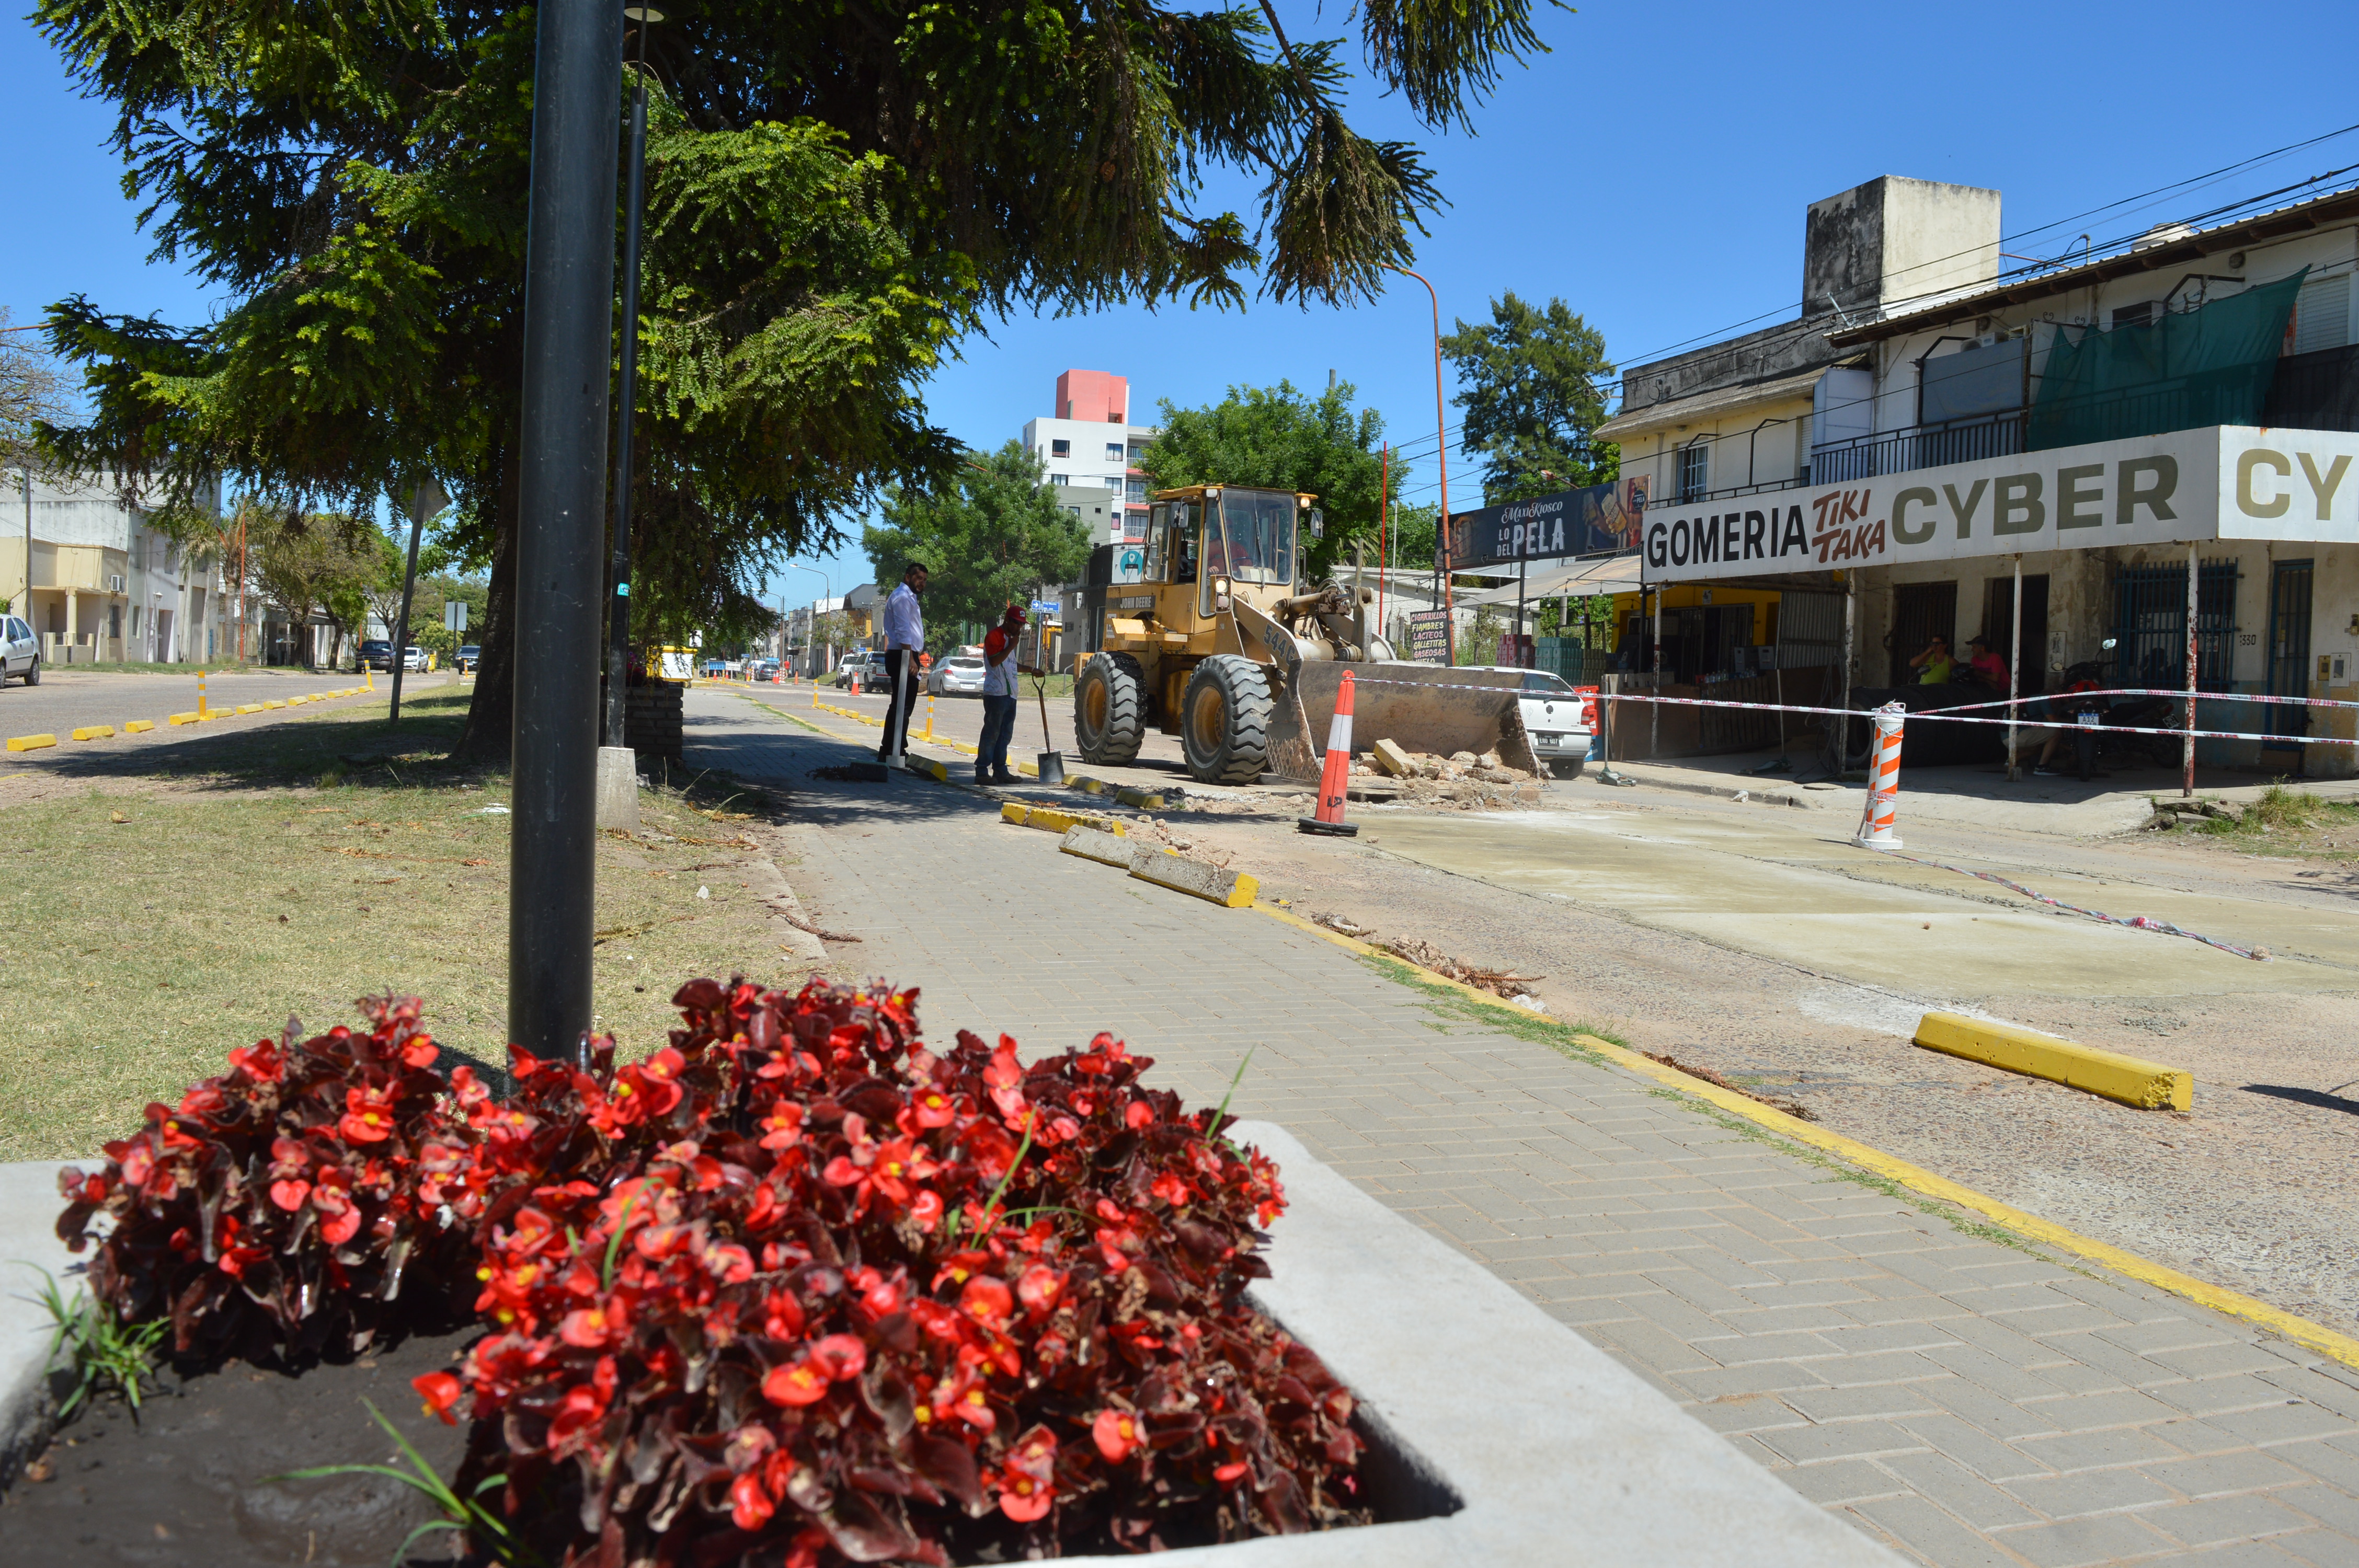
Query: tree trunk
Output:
(488,735)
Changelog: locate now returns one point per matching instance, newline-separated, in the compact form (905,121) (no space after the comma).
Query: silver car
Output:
(957,676)
(20,651)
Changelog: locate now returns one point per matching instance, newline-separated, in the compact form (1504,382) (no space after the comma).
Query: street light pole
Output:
(568,337)
(824,584)
(1442,425)
(618,627)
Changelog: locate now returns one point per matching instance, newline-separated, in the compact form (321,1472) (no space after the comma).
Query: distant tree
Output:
(309,562)
(990,539)
(1276,437)
(31,392)
(1532,387)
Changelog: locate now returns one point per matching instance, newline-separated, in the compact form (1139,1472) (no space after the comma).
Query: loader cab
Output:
(1221,539)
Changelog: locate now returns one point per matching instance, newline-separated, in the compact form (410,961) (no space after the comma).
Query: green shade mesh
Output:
(2207,366)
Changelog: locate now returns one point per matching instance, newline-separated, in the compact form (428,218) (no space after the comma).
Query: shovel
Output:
(1052,761)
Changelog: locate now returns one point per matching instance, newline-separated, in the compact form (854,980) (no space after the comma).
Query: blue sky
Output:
(1652,170)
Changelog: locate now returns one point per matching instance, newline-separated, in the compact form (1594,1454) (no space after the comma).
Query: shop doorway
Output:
(1998,625)
(2290,585)
(1921,611)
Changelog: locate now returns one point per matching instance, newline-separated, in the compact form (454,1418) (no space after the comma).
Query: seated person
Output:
(1934,662)
(1985,666)
(2046,768)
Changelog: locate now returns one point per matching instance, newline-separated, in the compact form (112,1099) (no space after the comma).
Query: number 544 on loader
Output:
(1217,646)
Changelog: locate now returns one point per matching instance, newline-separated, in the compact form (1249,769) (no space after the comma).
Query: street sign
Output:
(1046,607)
(454,615)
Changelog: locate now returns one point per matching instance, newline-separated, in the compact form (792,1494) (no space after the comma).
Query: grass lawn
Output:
(158,917)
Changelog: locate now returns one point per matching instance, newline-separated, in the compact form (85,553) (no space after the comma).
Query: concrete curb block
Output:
(1092,844)
(31,742)
(2147,1085)
(1201,878)
(177,719)
(250,707)
(139,726)
(1144,800)
(95,732)
(2311,1335)
(29,1205)
(925,766)
(1048,819)
(268,702)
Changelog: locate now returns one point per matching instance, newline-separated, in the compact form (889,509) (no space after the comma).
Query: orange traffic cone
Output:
(1335,779)
(1879,823)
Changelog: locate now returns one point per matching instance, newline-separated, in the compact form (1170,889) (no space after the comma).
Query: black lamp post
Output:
(568,339)
(618,627)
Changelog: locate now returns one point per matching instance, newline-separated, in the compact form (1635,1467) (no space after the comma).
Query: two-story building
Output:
(1943,422)
(98,584)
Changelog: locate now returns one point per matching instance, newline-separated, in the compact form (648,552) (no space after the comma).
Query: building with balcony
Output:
(1942,419)
(103,585)
(1091,452)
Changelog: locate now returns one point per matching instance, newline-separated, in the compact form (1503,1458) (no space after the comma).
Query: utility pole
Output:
(1442,456)
(618,625)
(567,313)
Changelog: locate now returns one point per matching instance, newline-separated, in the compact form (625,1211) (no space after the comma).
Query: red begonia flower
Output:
(1117,1433)
(441,1391)
(749,1506)
(839,1356)
(289,1196)
(795,1384)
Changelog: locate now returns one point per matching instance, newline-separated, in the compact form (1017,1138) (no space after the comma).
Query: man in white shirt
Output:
(904,637)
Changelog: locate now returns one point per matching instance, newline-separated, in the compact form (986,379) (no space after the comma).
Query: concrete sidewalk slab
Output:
(1959,1397)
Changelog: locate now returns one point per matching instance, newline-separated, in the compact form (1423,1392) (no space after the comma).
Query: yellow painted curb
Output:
(177,719)
(1048,819)
(268,702)
(31,742)
(249,708)
(2315,1337)
(2148,1086)
(95,732)
(926,765)
(137,726)
(1146,800)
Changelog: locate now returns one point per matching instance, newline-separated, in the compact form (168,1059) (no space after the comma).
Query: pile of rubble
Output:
(1462,781)
(2170,814)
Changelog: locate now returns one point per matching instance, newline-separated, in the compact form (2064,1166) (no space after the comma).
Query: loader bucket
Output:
(1419,708)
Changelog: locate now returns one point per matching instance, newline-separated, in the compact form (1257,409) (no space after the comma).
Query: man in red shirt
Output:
(1988,667)
(998,700)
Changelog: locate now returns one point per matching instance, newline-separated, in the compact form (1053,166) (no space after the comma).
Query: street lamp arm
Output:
(1442,456)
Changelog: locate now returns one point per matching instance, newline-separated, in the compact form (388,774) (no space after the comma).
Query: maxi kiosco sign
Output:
(2220,483)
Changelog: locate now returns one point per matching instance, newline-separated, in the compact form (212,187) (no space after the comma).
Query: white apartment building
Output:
(103,586)
(1091,452)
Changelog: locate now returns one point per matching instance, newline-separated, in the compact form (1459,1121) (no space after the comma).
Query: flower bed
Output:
(797,1287)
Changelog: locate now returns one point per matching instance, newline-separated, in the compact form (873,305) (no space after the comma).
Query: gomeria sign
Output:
(2217,482)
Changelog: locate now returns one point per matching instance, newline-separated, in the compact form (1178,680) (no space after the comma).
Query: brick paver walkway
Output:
(1964,1400)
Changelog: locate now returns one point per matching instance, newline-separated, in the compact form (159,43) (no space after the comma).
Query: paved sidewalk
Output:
(1965,1400)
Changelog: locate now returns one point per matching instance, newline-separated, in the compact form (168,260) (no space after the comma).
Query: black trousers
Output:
(900,665)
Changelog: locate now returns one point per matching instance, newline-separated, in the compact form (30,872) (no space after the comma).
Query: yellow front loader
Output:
(1217,646)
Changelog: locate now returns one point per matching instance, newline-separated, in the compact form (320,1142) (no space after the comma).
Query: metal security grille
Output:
(2289,587)
(2150,626)
(1921,611)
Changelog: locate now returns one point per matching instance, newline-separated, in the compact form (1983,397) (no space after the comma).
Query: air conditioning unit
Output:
(114,585)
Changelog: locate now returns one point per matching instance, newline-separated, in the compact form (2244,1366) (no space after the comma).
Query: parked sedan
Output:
(957,676)
(470,655)
(376,653)
(20,652)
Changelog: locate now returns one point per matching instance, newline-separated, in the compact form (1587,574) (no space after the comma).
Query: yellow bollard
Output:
(202,711)
(368,677)
(929,716)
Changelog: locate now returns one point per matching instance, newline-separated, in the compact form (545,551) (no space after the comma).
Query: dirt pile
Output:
(1461,782)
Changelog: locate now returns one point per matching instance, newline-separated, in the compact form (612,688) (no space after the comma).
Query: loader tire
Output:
(1224,720)
(1110,709)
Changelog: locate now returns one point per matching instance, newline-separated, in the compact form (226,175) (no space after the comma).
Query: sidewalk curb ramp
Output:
(2146,1086)
(2311,1335)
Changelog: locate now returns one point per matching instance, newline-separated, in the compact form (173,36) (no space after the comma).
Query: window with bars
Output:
(2150,627)
(1695,470)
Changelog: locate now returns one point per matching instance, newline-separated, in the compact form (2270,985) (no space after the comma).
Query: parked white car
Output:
(1560,720)
(20,652)
(957,676)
